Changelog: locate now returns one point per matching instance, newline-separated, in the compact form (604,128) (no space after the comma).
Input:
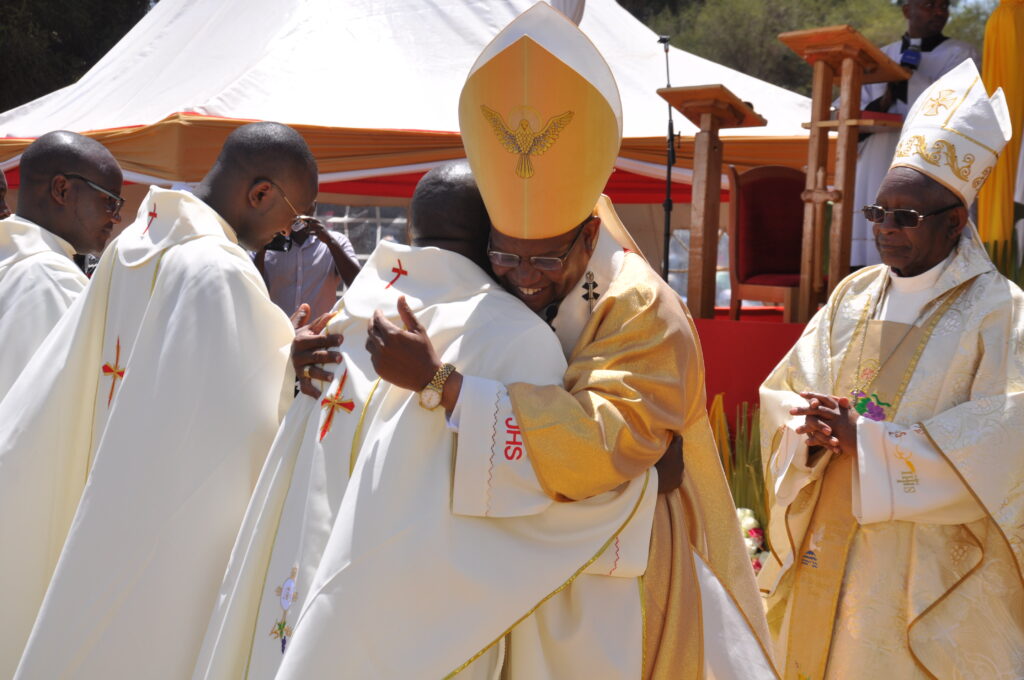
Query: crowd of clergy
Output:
(492,458)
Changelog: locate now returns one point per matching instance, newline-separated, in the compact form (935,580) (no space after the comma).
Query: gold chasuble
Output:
(541,120)
(126,462)
(636,375)
(940,596)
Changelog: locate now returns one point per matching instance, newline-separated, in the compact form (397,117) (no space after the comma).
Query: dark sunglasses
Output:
(548,263)
(904,218)
(114,201)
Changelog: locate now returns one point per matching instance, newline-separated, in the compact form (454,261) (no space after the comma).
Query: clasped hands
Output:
(830,422)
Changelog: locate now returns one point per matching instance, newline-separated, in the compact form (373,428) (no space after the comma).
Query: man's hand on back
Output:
(311,349)
(670,466)
(404,358)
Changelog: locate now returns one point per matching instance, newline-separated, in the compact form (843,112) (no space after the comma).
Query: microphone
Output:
(911,57)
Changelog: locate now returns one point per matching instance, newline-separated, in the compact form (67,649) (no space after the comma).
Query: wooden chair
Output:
(766,218)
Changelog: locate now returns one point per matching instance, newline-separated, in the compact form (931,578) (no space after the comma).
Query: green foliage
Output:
(747,478)
(1006,256)
(47,44)
(743,34)
(968,23)
(741,456)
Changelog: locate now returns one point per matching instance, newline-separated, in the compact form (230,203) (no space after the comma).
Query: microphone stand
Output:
(670,161)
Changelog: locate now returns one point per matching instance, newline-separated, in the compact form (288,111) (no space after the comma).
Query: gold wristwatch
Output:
(430,396)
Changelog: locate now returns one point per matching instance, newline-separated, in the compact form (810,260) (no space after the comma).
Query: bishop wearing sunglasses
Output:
(896,430)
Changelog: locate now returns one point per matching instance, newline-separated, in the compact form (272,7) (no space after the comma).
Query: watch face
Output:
(430,398)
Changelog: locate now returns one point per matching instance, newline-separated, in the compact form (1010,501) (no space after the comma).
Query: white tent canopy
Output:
(379,64)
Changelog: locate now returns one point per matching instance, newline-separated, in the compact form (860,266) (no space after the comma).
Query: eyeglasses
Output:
(300,218)
(114,201)
(548,263)
(904,218)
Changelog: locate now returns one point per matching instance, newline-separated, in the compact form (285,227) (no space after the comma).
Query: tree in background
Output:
(743,34)
(48,44)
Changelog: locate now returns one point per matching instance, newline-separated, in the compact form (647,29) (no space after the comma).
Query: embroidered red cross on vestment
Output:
(398,272)
(152,216)
(115,371)
(333,403)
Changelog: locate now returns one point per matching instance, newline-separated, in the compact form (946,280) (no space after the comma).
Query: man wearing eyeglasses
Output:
(125,467)
(68,202)
(893,431)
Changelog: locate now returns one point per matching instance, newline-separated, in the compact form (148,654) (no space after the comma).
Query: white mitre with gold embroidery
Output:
(541,121)
(955,131)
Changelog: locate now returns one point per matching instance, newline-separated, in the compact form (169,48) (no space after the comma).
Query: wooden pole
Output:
(814,206)
(846,173)
(707,191)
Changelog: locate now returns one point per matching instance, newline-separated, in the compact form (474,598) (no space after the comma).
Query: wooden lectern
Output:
(834,51)
(711,108)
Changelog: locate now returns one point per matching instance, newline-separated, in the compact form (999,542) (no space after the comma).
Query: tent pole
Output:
(670,161)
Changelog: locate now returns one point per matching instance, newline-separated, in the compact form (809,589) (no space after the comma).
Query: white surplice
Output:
(38,282)
(126,455)
(875,153)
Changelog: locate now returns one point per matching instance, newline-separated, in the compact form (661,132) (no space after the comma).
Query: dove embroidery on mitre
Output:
(523,140)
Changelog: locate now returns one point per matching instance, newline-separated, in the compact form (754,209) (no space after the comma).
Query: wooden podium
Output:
(711,108)
(834,51)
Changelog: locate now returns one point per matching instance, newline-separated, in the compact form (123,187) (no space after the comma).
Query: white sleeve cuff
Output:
(789,463)
(871,484)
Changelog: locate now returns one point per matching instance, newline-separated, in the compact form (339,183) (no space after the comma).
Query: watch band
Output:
(440,378)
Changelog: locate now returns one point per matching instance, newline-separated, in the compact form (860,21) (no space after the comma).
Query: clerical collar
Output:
(927,44)
(923,281)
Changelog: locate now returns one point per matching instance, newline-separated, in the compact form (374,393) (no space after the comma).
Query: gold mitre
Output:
(541,121)
(955,131)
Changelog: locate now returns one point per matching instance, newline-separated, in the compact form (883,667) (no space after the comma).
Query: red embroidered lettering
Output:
(513,444)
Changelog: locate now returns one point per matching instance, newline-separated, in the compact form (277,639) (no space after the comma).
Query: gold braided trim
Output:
(942,153)
(980,179)
(643,493)
(988,513)
(353,455)
(970,572)
(643,624)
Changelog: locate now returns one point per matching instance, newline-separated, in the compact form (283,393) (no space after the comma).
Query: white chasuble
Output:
(409,586)
(38,282)
(916,573)
(126,462)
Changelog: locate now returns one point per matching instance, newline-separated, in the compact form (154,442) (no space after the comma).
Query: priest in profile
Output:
(124,467)
(68,202)
(304,486)
(892,431)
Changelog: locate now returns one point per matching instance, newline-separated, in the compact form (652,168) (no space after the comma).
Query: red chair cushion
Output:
(789,280)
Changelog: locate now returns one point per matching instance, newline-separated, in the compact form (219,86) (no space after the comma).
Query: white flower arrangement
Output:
(753,537)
